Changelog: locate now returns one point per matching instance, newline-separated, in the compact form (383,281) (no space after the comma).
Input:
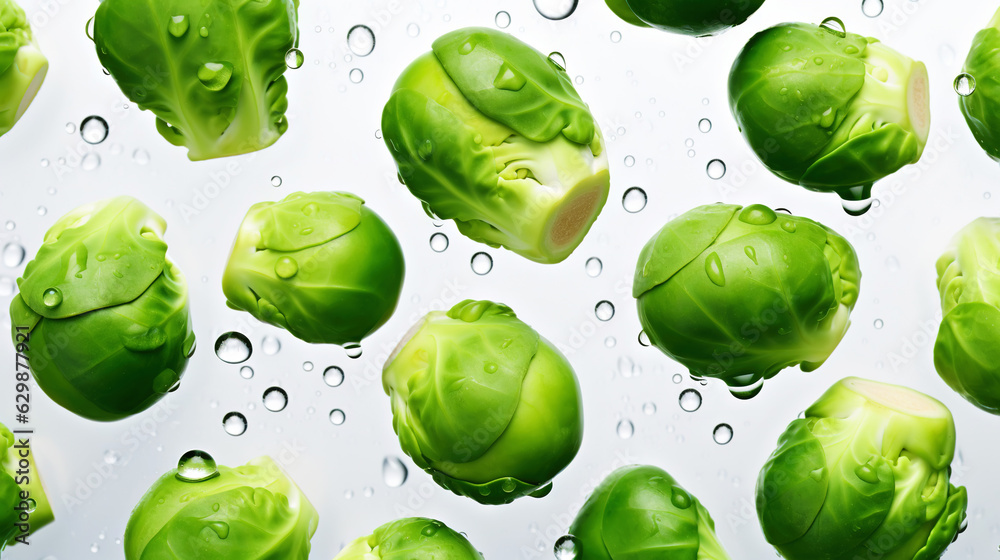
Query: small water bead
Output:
(307,366)
(233,348)
(368,491)
(705,125)
(294,58)
(275,399)
(629,161)
(111,457)
(333,376)
(10,225)
(872,8)
(275,181)
(558,59)
(556,9)
(70,128)
(879,323)
(677,378)
(356,76)
(286,268)
(413,30)
(361,40)
(52,297)
(634,200)
(691,153)
(45,162)
(270,345)
(567,547)
(439,242)
(616,37)
(42,210)
(689,142)
(482,263)
(716,169)
(234,423)
(611,342)
(13,255)
(502,20)
(604,310)
(625,429)
(140,156)
(94,129)
(90,162)
(649,408)
(643,339)
(834,25)
(337,417)
(353,350)
(246,372)
(394,472)
(690,400)
(722,434)
(594,267)
(196,466)
(965,84)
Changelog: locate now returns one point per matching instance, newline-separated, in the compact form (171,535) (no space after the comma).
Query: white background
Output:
(648,91)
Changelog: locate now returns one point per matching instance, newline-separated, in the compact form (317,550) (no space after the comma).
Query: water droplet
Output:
(567,547)
(629,161)
(604,310)
(879,324)
(52,297)
(246,372)
(307,366)
(439,242)
(716,169)
(95,548)
(594,266)
(270,345)
(748,391)
(294,58)
(502,20)
(625,429)
(215,75)
(275,181)
(394,472)
(835,26)
(196,466)
(94,129)
(649,408)
(713,267)
(679,498)
(111,457)
(356,75)
(610,342)
(275,399)
(178,26)
(634,200)
(233,348)
(690,400)
(677,378)
(6,286)
(353,350)
(558,59)
(90,162)
(965,84)
(413,30)
(45,162)
(41,210)
(337,417)
(872,8)
(643,339)
(70,128)
(482,263)
(856,207)
(13,255)
(10,225)
(705,125)
(361,40)
(722,434)
(234,423)
(333,376)
(555,9)
(616,37)
(286,268)
(140,156)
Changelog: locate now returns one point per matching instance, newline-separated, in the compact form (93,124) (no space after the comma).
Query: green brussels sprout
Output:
(863,475)
(102,313)
(827,110)
(698,18)
(22,65)
(489,132)
(967,350)
(413,538)
(640,512)
(740,293)
(24,506)
(200,510)
(483,403)
(211,71)
(321,265)
(981,106)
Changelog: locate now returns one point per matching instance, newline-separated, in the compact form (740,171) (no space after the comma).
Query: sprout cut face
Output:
(22,65)
(24,506)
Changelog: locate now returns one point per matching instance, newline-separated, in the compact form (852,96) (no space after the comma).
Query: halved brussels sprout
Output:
(22,65)
(24,506)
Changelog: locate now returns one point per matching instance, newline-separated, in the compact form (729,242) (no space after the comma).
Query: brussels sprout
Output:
(24,506)
(22,65)
(483,403)
(413,538)
(742,293)
(199,510)
(863,475)
(982,106)
(967,351)
(211,71)
(641,513)
(828,110)
(102,314)
(321,265)
(698,18)
(489,132)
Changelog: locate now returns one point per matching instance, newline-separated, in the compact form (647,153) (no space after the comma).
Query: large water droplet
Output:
(394,472)
(294,58)
(604,310)
(275,399)
(196,466)
(482,263)
(178,26)
(690,400)
(215,75)
(567,547)
(286,268)
(634,200)
(333,376)
(337,417)
(722,434)
(749,391)
(233,348)
(556,9)
(558,59)
(835,26)
(270,345)
(13,255)
(594,266)
(965,84)
(502,20)
(361,40)
(234,423)
(52,297)
(353,350)
(716,169)
(94,129)
(872,8)
(713,267)
(439,242)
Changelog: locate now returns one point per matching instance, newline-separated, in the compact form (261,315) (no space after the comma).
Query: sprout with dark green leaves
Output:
(24,506)
(740,293)
(980,100)
(865,474)
(967,351)
(200,510)
(211,71)
(102,313)
(413,538)
(483,403)
(641,513)
(489,132)
(321,265)
(828,110)
(698,18)
(22,65)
